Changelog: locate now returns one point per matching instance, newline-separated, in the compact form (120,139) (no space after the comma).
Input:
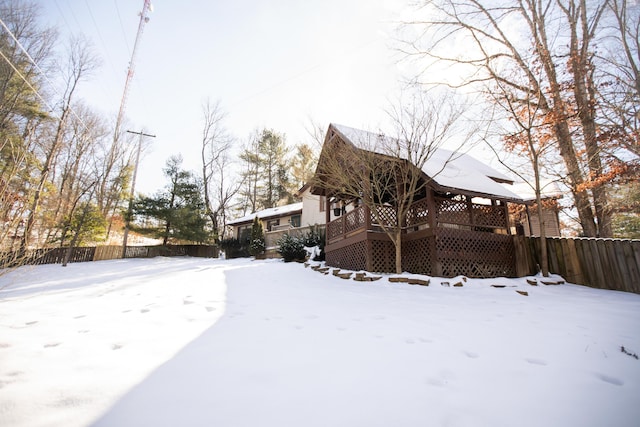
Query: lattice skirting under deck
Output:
(475,254)
(352,257)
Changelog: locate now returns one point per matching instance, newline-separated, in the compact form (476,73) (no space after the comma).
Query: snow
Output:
(270,212)
(548,190)
(201,342)
(450,170)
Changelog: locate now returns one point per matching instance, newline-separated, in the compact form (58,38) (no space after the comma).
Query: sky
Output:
(211,342)
(279,64)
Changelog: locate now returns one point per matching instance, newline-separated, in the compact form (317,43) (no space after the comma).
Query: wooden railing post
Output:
(367,217)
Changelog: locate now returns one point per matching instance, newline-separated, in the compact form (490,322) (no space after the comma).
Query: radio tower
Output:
(147,7)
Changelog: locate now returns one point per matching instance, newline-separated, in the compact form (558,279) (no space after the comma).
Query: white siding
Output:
(311,214)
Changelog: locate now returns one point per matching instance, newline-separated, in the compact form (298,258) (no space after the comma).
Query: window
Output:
(295,221)
(272,223)
(244,233)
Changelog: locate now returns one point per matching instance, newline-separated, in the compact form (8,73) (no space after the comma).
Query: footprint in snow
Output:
(379,317)
(144,310)
(185,302)
(53,344)
(4,345)
(80,316)
(210,309)
(538,362)
(116,346)
(410,341)
(471,354)
(609,379)
(33,322)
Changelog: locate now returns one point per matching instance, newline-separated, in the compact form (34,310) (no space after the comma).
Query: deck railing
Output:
(457,214)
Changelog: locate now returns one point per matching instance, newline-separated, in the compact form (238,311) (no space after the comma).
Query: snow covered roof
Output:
(449,170)
(549,190)
(278,211)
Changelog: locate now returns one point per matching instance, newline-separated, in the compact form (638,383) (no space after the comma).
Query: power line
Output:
(25,79)
(41,72)
(124,35)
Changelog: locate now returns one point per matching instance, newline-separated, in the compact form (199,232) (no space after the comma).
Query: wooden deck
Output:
(463,239)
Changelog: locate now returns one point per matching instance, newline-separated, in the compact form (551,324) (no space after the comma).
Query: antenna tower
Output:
(147,7)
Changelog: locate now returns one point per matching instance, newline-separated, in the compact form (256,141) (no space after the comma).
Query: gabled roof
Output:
(448,170)
(276,212)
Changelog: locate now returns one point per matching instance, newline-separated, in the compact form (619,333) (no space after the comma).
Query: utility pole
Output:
(133,189)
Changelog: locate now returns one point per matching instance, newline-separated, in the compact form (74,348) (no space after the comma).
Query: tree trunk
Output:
(398,245)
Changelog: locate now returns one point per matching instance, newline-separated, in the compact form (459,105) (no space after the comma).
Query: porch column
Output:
(506,216)
(432,212)
(367,217)
(470,210)
(327,210)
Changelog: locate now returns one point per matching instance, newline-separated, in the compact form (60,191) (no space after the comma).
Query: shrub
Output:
(234,248)
(311,238)
(291,248)
(315,237)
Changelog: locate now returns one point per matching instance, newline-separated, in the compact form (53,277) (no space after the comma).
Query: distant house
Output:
(272,219)
(293,219)
(458,224)
(525,217)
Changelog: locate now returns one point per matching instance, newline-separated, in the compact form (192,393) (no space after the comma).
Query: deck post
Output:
(367,218)
(506,216)
(327,210)
(432,212)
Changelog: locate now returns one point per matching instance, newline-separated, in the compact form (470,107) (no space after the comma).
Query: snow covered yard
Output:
(201,342)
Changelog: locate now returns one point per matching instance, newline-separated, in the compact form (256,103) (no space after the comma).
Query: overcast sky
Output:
(274,64)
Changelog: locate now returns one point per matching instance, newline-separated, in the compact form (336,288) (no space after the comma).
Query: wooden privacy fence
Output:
(101,253)
(599,263)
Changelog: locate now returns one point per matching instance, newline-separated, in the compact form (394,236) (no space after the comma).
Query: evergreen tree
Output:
(178,212)
(275,168)
(266,178)
(304,164)
(257,244)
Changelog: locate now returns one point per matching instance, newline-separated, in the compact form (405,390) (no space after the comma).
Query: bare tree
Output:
(528,135)
(250,175)
(81,63)
(620,93)
(219,190)
(519,46)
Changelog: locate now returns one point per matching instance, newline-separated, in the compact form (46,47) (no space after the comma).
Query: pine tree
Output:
(275,169)
(266,178)
(177,213)
(257,244)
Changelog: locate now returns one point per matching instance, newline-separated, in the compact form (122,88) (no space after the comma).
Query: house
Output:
(458,224)
(272,219)
(293,219)
(525,217)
